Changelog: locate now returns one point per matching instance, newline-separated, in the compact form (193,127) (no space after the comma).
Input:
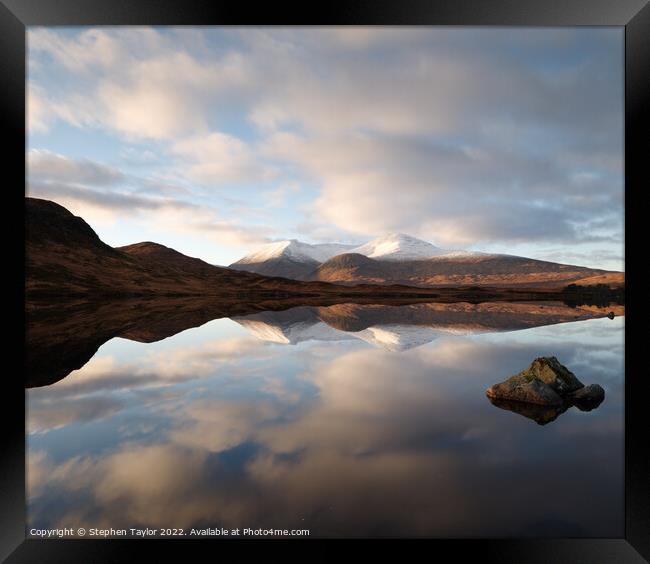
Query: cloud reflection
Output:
(366,443)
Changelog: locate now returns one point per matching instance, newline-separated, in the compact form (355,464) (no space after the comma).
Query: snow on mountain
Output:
(397,338)
(464,255)
(390,247)
(397,246)
(324,251)
(295,250)
(291,333)
(301,324)
(393,338)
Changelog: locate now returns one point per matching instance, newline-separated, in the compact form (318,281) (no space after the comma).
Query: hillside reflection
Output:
(62,337)
(216,426)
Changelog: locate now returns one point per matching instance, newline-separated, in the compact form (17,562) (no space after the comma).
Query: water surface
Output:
(347,421)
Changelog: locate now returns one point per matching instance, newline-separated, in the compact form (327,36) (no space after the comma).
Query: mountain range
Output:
(397,258)
(66,258)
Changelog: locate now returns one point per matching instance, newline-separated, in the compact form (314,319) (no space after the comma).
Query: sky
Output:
(214,140)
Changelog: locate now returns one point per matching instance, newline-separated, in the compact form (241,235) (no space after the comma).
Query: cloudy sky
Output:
(215,140)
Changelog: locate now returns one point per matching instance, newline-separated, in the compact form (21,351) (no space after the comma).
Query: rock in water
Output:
(544,382)
(588,397)
(522,388)
(547,369)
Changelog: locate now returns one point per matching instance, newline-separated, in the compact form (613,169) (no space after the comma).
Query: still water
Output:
(348,421)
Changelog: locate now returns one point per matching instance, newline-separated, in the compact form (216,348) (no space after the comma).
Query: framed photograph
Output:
(357,275)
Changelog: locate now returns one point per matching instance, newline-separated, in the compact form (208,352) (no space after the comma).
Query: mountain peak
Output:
(294,250)
(397,235)
(398,246)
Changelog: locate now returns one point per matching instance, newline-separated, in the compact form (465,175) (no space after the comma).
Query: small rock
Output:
(520,388)
(544,390)
(548,369)
(588,398)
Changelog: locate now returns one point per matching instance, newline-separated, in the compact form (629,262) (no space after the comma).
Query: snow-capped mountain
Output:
(397,258)
(296,250)
(398,246)
(289,259)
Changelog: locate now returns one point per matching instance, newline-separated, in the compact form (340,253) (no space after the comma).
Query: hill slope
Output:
(460,270)
(65,257)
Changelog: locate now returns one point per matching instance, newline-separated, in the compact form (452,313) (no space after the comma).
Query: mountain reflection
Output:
(398,328)
(62,337)
(217,427)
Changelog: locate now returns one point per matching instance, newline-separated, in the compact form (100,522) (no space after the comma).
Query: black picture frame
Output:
(633,15)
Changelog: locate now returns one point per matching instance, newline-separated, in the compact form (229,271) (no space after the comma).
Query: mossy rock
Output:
(551,372)
(544,390)
(544,382)
(521,388)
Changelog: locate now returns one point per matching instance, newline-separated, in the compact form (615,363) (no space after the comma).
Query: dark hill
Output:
(65,257)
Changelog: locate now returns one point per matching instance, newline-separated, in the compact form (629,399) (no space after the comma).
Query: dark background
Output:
(15,15)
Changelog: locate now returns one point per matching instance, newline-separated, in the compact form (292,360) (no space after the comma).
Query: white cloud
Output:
(220,158)
(137,82)
(44,109)
(48,416)
(53,167)
(454,196)
(90,48)
(103,195)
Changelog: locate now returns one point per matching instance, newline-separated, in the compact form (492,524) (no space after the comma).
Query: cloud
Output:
(58,168)
(103,194)
(217,158)
(92,47)
(216,426)
(157,369)
(372,185)
(44,110)
(375,443)
(50,416)
(36,110)
(137,82)
(462,136)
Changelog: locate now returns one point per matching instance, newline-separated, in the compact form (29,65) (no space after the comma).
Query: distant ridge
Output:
(397,258)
